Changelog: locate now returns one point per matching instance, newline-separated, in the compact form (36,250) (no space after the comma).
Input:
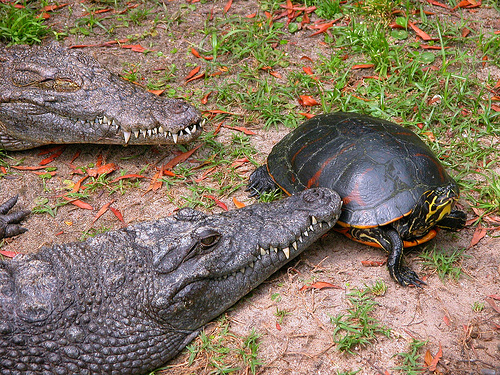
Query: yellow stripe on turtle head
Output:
(441,208)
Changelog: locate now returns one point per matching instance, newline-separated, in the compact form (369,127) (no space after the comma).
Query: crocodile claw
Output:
(9,223)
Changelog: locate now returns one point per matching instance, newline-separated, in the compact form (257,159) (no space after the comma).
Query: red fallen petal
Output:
(320,285)
(157,92)
(307,101)
(419,32)
(437,3)
(240,129)
(134,47)
(27,168)
(217,202)
(193,72)
(201,75)
(79,203)
(307,115)
(8,254)
(362,66)
(117,213)
(179,159)
(228,6)
(275,74)
(195,53)
(237,203)
(102,211)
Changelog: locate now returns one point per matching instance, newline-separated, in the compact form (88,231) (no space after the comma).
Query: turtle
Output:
(395,191)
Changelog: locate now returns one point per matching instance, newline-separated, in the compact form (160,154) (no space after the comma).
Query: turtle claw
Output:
(405,276)
(9,223)
(260,182)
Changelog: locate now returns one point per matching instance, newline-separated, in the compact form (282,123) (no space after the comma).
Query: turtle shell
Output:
(379,168)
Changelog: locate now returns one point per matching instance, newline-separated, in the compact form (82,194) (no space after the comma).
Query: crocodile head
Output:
(210,262)
(55,95)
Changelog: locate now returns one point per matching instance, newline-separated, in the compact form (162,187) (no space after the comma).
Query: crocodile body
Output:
(127,301)
(51,94)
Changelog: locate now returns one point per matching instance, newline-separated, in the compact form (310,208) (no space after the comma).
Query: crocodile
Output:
(52,94)
(127,301)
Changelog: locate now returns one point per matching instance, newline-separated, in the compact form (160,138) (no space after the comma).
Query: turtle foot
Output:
(260,182)
(406,276)
(9,223)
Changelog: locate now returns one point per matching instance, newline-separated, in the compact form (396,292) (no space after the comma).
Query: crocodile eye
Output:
(208,238)
(209,241)
(58,84)
(65,85)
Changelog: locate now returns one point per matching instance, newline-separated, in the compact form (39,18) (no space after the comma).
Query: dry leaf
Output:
(320,285)
(479,233)
(237,203)
(362,66)
(419,32)
(79,203)
(307,101)
(217,202)
(117,213)
(102,211)
(192,73)
(436,359)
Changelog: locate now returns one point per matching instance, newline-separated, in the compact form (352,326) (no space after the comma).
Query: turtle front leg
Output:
(454,221)
(260,182)
(388,239)
(9,223)
(394,246)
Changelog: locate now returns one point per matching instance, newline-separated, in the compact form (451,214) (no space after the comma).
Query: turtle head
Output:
(439,202)
(434,205)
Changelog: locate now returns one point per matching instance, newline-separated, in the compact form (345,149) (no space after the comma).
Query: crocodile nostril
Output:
(313,195)
(179,107)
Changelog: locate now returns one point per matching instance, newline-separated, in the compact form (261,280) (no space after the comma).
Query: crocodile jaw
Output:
(54,95)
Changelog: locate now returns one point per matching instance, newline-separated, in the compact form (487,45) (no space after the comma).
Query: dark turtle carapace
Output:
(395,191)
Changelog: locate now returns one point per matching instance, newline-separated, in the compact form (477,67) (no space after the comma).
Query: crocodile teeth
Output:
(126,135)
(155,130)
(187,130)
(136,133)
(311,228)
(263,251)
(149,132)
(161,130)
(251,264)
(242,270)
(314,220)
(286,251)
(174,136)
(306,234)
(272,248)
(294,245)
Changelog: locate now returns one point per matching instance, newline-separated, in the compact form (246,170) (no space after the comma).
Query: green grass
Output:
(222,352)
(357,328)
(20,25)
(447,266)
(412,360)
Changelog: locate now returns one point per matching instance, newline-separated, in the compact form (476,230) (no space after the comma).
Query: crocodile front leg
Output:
(9,223)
